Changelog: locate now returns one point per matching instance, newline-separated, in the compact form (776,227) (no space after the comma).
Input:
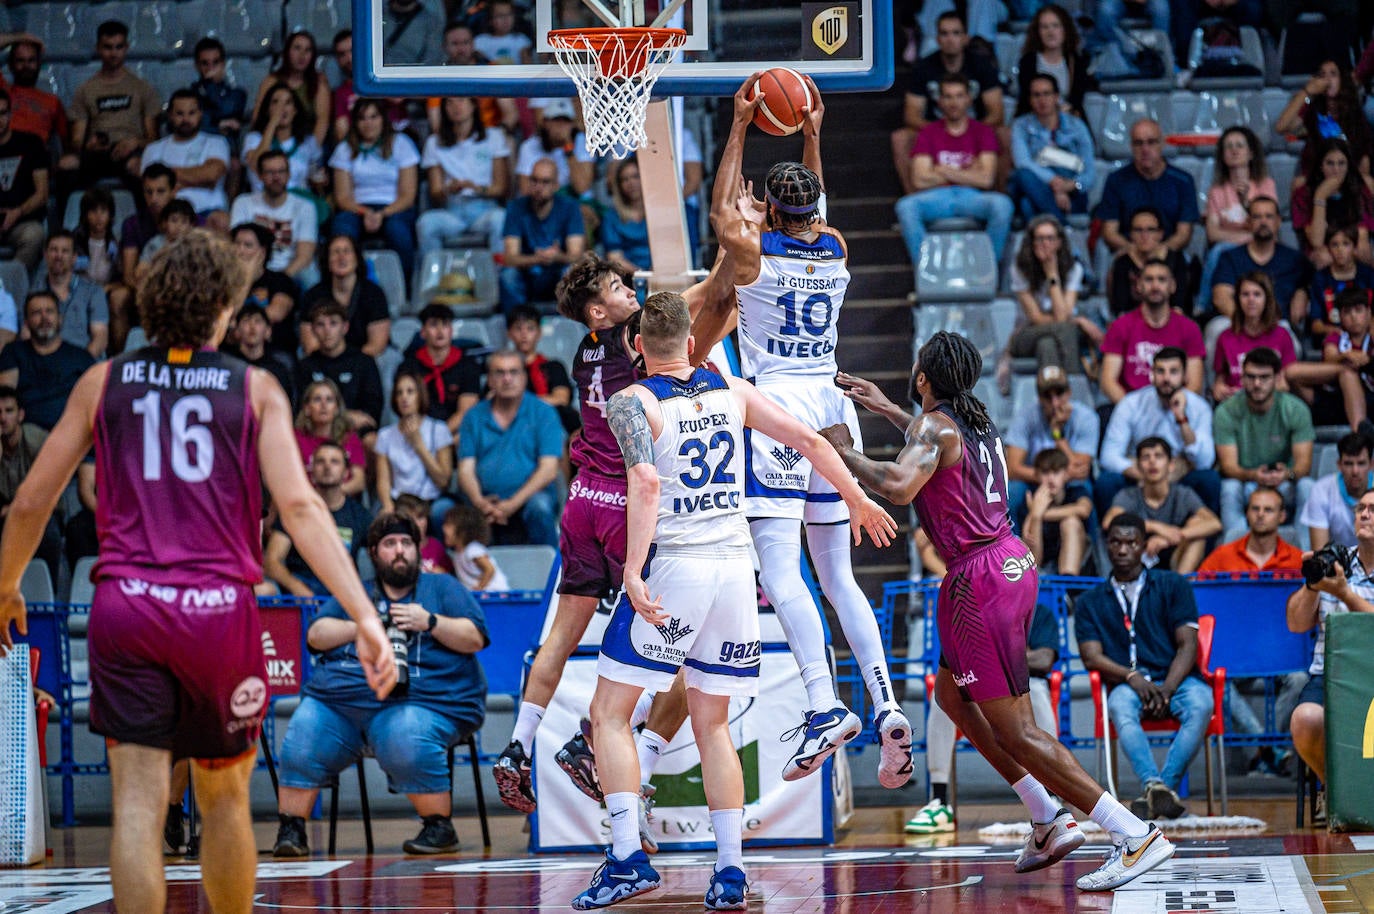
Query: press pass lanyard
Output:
(1129,591)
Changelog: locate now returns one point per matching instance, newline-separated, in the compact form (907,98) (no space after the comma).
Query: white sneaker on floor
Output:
(1130,858)
(1050,842)
(894,746)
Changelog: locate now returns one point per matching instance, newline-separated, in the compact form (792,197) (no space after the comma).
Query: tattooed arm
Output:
(629,422)
(931,441)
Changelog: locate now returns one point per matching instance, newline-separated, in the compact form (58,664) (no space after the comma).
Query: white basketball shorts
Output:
(779,482)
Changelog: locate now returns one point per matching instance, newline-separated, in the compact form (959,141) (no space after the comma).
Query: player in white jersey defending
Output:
(681,432)
(791,276)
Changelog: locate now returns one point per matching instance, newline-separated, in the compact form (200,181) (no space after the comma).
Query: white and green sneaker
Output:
(933,818)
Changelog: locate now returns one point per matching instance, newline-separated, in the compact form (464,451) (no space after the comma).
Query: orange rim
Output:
(600,39)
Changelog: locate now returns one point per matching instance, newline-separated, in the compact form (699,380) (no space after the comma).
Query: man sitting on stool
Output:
(441,628)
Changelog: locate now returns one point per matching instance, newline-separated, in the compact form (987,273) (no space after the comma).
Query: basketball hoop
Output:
(615,71)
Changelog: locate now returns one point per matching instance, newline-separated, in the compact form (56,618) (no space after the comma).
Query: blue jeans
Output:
(398,230)
(519,286)
(1235,495)
(409,740)
(1033,197)
(1191,706)
(989,207)
(1206,483)
(1105,36)
(1209,266)
(460,216)
(540,516)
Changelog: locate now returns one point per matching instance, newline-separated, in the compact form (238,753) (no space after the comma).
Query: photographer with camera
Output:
(1336,580)
(435,628)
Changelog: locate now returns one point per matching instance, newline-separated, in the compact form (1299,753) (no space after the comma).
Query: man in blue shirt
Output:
(1138,630)
(1286,267)
(544,233)
(1044,146)
(1148,181)
(438,702)
(1059,423)
(509,447)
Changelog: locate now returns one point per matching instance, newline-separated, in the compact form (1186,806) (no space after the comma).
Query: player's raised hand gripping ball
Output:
(786,96)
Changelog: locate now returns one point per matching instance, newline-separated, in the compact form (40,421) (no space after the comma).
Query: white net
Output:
(615,71)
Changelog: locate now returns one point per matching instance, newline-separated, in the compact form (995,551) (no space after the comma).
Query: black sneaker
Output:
(1164,803)
(576,758)
(174,832)
(436,837)
(291,837)
(512,774)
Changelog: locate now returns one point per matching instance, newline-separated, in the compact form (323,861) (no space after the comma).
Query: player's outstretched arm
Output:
(33,503)
(811,133)
(629,422)
(866,394)
(898,480)
(735,233)
(312,528)
(764,415)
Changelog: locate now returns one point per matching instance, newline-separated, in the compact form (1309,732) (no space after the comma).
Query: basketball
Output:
(785,94)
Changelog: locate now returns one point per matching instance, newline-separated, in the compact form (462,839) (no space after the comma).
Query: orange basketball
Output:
(785,94)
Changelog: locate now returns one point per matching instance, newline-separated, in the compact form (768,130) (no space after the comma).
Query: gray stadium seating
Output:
(1158,41)
(956,266)
(390,277)
(471,328)
(14,279)
(246,27)
(1252,50)
(560,338)
(1121,110)
(124,207)
(60,26)
(403,330)
(476,263)
(525,567)
(321,18)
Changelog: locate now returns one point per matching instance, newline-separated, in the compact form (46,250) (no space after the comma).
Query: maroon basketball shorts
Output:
(986,603)
(592,537)
(176,667)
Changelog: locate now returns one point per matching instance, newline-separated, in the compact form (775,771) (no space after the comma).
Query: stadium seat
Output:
(169,75)
(136,339)
(1252,53)
(124,207)
(247,73)
(560,338)
(1008,48)
(999,407)
(473,329)
(1324,459)
(60,26)
(478,266)
(956,267)
(403,332)
(74,74)
(1216,111)
(391,277)
(83,589)
(387,364)
(36,583)
(14,279)
(525,567)
(1275,100)
(1282,167)
(1156,40)
(155,29)
(976,321)
(321,18)
(245,27)
(1121,110)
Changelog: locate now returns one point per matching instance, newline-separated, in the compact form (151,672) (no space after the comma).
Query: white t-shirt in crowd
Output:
(301,156)
(465,567)
(532,150)
(502,49)
(375,178)
(199,149)
(1072,283)
(470,159)
(407,470)
(1328,509)
(292,222)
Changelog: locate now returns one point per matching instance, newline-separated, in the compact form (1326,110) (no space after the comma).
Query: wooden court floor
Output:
(872,868)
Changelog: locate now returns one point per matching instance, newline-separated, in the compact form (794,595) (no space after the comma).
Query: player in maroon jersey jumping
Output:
(184,439)
(953,469)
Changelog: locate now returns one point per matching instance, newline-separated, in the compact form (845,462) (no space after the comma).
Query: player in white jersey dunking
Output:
(791,277)
(690,581)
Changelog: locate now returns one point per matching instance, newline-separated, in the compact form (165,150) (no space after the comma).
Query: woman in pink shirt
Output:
(321,419)
(1255,324)
(1239,175)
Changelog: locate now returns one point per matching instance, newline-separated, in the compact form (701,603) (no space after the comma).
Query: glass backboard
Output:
(843,46)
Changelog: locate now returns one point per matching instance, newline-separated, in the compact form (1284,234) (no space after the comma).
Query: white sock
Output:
(820,688)
(829,545)
(1042,806)
(728,825)
(526,722)
(623,809)
(1113,817)
(651,747)
(641,712)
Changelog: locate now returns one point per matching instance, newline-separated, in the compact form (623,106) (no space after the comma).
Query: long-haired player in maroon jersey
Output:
(184,439)
(953,469)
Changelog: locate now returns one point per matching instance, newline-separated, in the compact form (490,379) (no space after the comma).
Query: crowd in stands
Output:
(308,180)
